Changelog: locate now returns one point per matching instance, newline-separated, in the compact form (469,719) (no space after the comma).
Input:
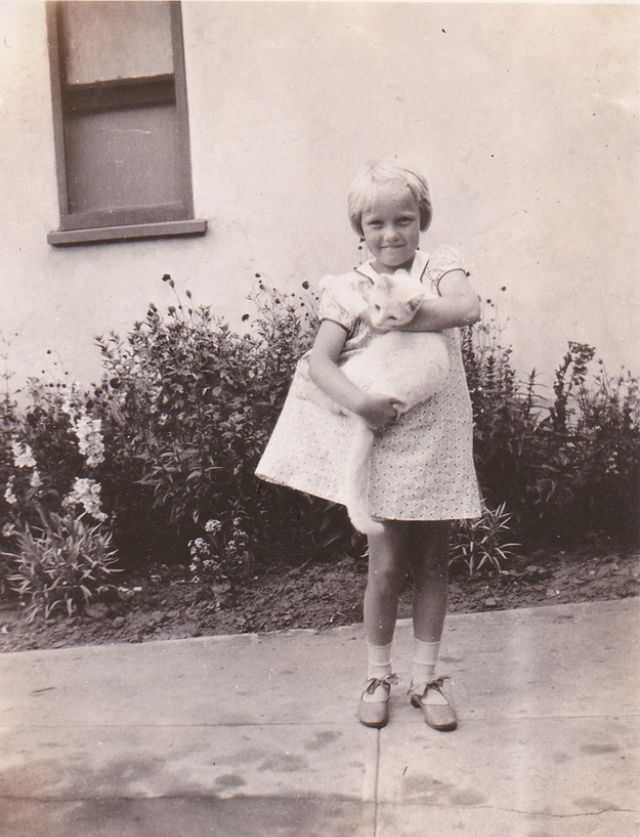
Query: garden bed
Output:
(158,458)
(164,603)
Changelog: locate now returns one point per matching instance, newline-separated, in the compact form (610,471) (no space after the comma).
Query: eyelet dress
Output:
(421,466)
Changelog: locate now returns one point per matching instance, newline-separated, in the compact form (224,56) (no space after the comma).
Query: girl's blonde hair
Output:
(378,173)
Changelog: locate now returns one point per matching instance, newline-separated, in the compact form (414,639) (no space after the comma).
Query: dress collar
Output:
(420,262)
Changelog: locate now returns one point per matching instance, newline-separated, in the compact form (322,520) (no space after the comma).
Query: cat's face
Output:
(392,300)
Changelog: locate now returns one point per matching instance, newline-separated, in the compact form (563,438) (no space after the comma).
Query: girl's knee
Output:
(430,556)
(433,556)
(428,571)
(386,578)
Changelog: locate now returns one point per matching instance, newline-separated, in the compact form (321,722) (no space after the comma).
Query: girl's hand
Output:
(458,305)
(379,411)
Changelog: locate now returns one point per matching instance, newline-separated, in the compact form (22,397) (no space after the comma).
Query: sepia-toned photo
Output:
(319,419)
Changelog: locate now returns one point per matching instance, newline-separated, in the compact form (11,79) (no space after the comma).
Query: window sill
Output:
(96,235)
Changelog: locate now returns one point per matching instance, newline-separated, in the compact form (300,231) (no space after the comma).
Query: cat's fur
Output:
(407,366)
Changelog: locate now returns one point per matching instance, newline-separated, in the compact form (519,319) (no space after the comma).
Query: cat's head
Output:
(392,300)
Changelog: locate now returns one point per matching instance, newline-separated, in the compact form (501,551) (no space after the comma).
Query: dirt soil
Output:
(163,602)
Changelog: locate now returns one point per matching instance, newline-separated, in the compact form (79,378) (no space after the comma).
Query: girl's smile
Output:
(391,228)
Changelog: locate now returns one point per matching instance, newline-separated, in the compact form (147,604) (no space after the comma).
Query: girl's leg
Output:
(387,570)
(429,561)
(388,567)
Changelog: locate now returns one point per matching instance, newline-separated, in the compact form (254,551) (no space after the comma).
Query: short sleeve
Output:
(338,302)
(441,261)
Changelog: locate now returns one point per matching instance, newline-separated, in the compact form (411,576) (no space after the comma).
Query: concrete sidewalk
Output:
(256,735)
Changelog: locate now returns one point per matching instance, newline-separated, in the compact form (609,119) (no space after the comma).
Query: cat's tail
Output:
(358,482)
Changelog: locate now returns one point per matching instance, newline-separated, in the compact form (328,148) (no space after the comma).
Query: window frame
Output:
(132,222)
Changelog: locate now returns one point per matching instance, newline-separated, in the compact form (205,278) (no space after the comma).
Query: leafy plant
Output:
(479,543)
(6,566)
(504,417)
(61,565)
(188,407)
(9,422)
(169,439)
(568,465)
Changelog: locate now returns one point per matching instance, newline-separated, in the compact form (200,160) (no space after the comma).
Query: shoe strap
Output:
(436,683)
(374,682)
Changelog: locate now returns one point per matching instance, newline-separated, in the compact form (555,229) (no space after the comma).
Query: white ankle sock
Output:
(425,657)
(378,660)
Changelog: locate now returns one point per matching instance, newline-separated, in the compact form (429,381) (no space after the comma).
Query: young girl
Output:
(421,473)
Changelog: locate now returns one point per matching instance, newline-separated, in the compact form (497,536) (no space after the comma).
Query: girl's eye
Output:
(377,308)
(392,317)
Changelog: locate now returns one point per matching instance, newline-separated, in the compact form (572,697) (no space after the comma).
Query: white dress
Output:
(422,465)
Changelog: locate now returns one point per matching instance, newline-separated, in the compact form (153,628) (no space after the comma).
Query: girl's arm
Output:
(457,305)
(326,374)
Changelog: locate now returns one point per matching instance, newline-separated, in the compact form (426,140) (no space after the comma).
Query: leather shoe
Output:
(375,713)
(439,716)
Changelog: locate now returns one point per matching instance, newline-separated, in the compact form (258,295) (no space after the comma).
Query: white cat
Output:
(407,366)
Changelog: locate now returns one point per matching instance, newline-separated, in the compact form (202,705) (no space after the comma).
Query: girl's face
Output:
(391,228)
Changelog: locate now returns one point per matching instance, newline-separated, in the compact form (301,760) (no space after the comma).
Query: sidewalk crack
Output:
(376,785)
(550,814)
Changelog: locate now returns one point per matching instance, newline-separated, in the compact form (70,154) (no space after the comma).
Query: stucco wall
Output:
(524,117)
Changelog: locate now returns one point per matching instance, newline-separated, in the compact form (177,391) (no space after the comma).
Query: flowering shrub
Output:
(215,558)
(88,431)
(566,466)
(188,406)
(161,453)
(85,493)
(57,550)
(55,441)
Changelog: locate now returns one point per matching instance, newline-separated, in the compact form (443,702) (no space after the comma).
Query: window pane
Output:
(122,158)
(110,40)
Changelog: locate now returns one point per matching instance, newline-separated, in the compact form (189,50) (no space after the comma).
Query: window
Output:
(120,121)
